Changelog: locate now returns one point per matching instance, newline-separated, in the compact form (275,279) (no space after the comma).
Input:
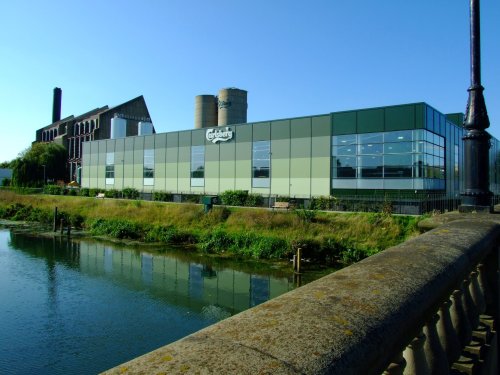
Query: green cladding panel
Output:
(456,118)
(344,123)
(370,120)
(400,117)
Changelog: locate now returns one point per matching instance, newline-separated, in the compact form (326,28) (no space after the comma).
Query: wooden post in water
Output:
(54,228)
(69,230)
(62,226)
(299,251)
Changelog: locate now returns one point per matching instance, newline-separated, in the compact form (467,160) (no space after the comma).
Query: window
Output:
(198,166)
(110,168)
(149,167)
(403,154)
(261,164)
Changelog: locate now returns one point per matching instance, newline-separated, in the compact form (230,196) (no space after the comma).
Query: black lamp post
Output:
(476,195)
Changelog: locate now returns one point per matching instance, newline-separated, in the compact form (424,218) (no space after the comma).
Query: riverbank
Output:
(237,231)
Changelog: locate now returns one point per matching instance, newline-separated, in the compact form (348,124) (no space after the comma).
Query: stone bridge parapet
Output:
(427,306)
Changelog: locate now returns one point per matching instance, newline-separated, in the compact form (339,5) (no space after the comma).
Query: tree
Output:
(7,164)
(29,170)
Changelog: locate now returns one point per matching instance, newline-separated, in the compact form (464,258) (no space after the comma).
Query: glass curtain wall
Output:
(405,154)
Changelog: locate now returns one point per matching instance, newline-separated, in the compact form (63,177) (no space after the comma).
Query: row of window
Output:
(399,154)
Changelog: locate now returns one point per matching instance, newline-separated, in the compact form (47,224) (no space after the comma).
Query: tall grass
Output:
(258,233)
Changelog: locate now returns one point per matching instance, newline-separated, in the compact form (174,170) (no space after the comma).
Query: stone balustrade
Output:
(427,306)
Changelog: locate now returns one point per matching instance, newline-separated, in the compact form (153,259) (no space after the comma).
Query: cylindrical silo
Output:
(205,111)
(118,128)
(232,106)
(144,128)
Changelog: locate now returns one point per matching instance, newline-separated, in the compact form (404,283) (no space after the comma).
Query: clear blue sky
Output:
(294,58)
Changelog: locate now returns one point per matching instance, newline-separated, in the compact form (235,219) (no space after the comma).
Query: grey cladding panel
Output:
(149,142)
(280,129)
(301,128)
(138,143)
(185,139)
(243,133)
(173,140)
(261,131)
(321,126)
(198,137)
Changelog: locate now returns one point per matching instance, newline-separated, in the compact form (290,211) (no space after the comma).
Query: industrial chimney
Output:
(56,107)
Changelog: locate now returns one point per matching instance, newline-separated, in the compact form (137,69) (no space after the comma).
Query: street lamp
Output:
(476,195)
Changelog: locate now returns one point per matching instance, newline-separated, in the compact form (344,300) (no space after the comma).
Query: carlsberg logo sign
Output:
(219,135)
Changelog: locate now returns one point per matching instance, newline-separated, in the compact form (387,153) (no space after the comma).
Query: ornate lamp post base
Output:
(476,196)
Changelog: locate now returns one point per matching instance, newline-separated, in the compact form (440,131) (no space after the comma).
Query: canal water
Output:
(83,307)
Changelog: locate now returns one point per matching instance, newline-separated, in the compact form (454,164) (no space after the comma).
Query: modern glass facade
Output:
(411,147)
(415,158)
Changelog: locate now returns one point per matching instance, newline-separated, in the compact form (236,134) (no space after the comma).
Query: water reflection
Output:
(202,287)
(82,307)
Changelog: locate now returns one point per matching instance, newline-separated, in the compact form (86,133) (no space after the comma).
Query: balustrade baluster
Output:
(416,363)
(459,319)
(476,292)
(397,366)
(434,353)
(469,306)
(447,334)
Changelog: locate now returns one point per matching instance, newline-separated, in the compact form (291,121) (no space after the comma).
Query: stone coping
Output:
(353,321)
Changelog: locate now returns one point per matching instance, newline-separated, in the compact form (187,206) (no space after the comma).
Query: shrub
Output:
(306,216)
(249,244)
(94,192)
(84,192)
(234,197)
(162,196)
(116,228)
(6,182)
(112,193)
(130,193)
(254,200)
(53,189)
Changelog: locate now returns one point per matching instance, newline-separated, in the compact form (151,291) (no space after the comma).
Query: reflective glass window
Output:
(110,165)
(198,162)
(371,138)
(345,167)
(261,159)
(371,149)
(344,140)
(398,136)
(149,164)
(370,166)
(398,148)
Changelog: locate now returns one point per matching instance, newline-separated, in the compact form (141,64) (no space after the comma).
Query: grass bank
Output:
(257,233)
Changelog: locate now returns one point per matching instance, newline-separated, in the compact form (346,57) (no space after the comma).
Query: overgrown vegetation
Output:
(258,233)
(38,164)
